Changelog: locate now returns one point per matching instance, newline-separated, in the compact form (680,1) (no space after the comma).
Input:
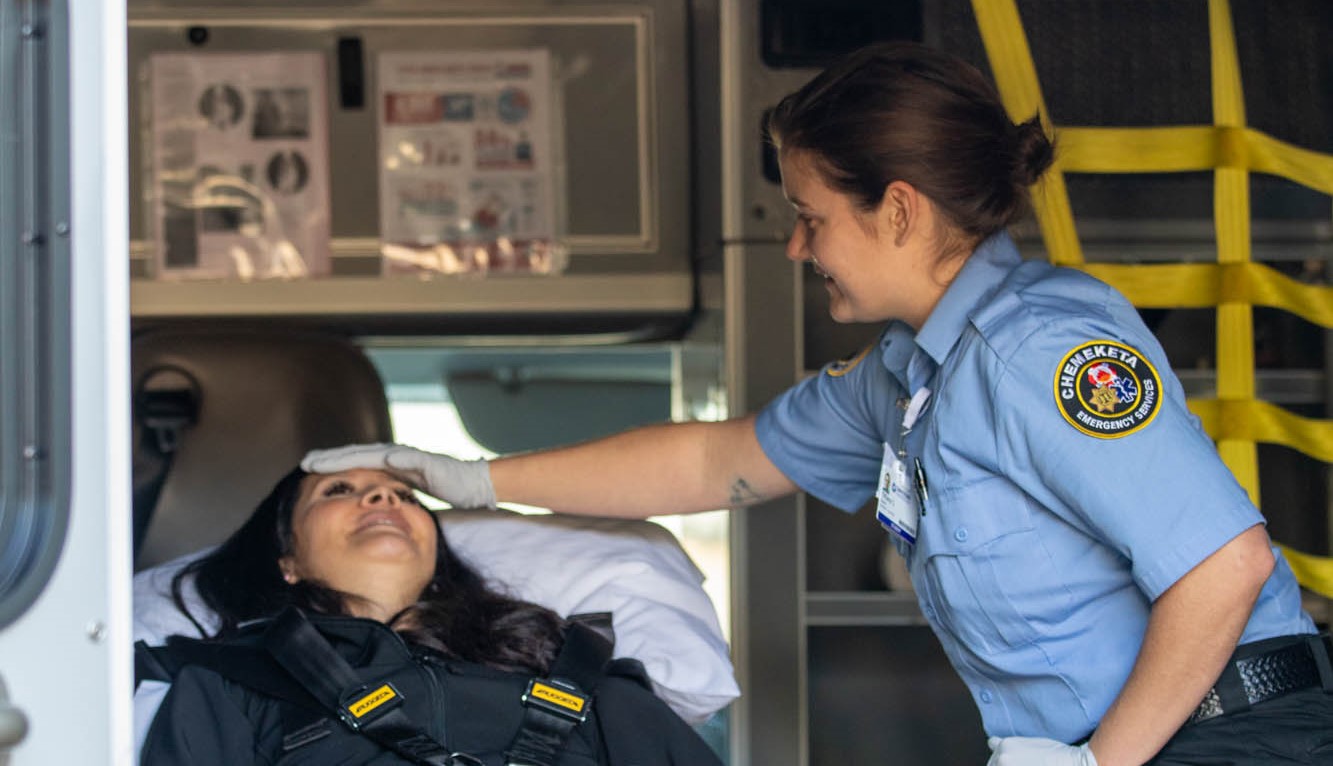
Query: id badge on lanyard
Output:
(899,492)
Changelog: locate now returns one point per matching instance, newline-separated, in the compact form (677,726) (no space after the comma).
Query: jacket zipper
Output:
(425,665)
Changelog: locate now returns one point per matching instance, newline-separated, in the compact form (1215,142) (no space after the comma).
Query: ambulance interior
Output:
(322,268)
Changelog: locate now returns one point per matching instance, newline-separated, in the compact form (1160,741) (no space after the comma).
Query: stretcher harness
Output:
(294,663)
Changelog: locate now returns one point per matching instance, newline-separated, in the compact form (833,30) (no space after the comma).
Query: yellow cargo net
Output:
(1236,420)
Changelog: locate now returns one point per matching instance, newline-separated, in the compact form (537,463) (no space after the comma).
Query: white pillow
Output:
(571,564)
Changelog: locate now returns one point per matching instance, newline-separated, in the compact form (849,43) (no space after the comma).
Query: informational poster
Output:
(239,153)
(466,164)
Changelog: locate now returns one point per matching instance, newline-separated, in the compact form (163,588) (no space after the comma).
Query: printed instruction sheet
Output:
(466,161)
(239,153)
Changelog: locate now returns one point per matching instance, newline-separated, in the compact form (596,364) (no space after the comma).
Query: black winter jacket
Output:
(209,720)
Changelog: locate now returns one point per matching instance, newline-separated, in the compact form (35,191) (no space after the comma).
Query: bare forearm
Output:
(1191,633)
(649,471)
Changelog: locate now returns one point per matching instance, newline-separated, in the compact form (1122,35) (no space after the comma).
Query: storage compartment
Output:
(880,695)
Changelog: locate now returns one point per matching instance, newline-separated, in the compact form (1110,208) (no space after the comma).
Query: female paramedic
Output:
(351,633)
(1096,576)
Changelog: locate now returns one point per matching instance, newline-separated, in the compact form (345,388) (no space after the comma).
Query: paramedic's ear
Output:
(460,483)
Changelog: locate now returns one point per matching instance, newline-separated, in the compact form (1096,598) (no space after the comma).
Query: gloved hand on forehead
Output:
(1037,751)
(461,483)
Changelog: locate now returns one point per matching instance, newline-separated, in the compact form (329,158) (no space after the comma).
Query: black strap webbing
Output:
(249,666)
(150,664)
(574,675)
(163,415)
(318,679)
(370,709)
(586,651)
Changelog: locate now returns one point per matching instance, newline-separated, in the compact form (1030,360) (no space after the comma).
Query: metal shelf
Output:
(1277,386)
(846,608)
(886,608)
(595,295)
(1136,240)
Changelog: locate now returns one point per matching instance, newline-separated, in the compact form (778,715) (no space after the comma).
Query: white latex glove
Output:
(1037,751)
(461,483)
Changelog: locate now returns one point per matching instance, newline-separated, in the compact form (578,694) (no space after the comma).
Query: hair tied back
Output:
(1034,151)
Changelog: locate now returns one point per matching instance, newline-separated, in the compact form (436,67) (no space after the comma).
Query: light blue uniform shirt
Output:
(1068,484)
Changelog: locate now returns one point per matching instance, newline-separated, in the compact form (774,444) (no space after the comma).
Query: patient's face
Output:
(348,524)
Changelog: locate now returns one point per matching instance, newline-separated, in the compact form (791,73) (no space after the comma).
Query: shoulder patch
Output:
(1107,389)
(848,363)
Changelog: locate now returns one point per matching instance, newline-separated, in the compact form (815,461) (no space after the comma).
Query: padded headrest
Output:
(263,399)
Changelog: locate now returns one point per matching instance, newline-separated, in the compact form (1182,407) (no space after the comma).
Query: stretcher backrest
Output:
(260,400)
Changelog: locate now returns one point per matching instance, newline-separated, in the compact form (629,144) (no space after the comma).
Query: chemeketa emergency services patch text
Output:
(1107,389)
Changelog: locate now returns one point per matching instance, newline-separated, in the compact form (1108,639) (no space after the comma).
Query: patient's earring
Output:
(286,565)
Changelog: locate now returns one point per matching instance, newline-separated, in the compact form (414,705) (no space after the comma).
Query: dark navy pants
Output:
(1297,728)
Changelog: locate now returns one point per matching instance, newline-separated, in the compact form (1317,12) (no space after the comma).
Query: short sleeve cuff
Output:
(1203,541)
(774,444)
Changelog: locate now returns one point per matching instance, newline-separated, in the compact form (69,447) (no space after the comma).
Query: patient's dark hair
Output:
(456,614)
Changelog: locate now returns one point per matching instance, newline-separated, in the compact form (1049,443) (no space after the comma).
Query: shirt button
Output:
(986,696)
(960,534)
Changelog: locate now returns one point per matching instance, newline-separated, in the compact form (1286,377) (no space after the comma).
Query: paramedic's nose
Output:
(796,250)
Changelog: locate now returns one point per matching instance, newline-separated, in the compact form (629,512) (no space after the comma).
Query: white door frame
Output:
(67,662)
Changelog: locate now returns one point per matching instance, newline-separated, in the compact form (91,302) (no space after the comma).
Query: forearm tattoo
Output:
(743,494)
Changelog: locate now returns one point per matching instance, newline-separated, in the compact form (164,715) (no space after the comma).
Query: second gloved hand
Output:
(461,483)
(1037,751)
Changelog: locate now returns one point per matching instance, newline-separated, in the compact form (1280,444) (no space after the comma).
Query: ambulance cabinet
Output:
(619,135)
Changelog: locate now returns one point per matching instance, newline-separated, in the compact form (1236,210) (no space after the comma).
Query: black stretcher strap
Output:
(163,415)
(249,666)
(296,664)
(374,709)
(556,705)
(316,680)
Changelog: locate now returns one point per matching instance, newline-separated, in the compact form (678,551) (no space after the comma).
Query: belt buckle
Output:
(364,704)
(558,698)
(1235,689)
(1210,707)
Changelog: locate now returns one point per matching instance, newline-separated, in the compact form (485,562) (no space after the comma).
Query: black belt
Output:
(1266,670)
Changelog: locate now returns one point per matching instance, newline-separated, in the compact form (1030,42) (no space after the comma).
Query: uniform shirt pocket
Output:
(990,579)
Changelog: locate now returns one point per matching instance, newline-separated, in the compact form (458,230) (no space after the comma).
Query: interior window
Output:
(477,403)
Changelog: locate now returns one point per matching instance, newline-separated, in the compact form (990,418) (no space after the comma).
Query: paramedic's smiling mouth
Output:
(814,264)
(830,282)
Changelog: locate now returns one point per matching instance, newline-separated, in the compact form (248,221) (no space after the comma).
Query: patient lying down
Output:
(357,554)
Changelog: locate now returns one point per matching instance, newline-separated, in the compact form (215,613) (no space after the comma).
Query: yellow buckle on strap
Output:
(558,698)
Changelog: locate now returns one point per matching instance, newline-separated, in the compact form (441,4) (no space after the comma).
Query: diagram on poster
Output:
(239,152)
(466,180)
